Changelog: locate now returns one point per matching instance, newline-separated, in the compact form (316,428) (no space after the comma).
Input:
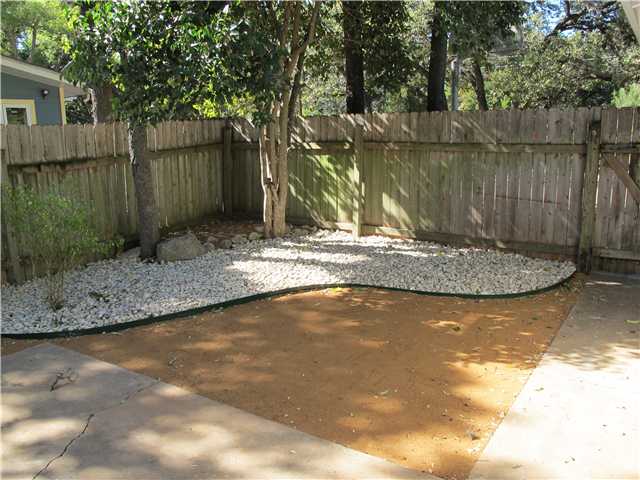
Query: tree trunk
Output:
(478,85)
(353,56)
(275,177)
(436,99)
(274,136)
(148,229)
(12,41)
(455,82)
(101,108)
(296,97)
(34,42)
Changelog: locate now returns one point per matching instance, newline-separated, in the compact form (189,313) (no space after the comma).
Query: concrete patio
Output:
(578,415)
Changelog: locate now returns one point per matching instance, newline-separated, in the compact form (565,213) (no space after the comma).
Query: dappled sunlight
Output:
(161,431)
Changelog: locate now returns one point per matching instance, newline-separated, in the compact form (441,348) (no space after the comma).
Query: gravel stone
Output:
(136,290)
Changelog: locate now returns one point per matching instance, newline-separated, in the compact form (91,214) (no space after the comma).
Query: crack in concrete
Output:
(126,398)
(66,447)
(129,396)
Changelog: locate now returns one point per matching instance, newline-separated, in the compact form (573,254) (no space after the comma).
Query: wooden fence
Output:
(92,162)
(508,179)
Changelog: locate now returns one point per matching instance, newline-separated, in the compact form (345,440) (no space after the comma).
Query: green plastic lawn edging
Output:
(262,296)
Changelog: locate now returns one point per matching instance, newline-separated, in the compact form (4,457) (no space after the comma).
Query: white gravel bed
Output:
(116,291)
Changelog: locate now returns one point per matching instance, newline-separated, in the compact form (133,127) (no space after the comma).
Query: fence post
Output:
(227,170)
(589,188)
(358,179)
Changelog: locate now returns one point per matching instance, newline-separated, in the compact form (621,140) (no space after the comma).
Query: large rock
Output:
(239,239)
(184,247)
(131,255)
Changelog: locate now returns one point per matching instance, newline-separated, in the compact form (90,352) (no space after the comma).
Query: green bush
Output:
(627,97)
(56,232)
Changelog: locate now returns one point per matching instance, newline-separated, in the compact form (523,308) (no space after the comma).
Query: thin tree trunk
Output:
(353,56)
(101,95)
(455,82)
(478,85)
(296,97)
(148,229)
(269,167)
(275,136)
(12,41)
(34,42)
(101,108)
(436,99)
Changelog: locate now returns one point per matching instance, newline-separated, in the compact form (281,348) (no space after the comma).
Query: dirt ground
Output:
(421,381)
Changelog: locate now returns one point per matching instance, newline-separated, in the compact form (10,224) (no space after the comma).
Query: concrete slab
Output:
(104,422)
(578,416)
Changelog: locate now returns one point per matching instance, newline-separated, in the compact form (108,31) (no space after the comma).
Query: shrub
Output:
(56,232)
(627,97)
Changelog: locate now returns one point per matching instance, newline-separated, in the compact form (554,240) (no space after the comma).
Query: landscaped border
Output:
(262,296)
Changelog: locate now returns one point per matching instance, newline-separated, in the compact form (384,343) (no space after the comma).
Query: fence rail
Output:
(508,179)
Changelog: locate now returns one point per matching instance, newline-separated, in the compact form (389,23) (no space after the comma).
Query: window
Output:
(18,112)
(16,115)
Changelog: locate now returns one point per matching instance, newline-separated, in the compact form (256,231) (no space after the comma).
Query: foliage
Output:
(157,58)
(572,70)
(627,97)
(79,110)
(156,54)
(44,19)
(396,49)
(264,63)
(478,27)
(249,75)
(387,57)
(533,55)
(56,231)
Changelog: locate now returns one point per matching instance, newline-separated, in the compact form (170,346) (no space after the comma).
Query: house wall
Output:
(47,109)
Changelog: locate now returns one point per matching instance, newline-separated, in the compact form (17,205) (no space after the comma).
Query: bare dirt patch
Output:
(422,381)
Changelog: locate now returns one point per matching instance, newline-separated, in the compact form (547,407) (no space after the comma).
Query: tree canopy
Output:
(157,55)
(512,54)
(35,31)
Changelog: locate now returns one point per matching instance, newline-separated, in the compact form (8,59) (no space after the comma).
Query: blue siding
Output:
(47,110)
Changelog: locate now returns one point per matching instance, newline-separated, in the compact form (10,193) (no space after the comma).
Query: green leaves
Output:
(573,70)
(55,230)
(159,55)
(627,97)
(44,17)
